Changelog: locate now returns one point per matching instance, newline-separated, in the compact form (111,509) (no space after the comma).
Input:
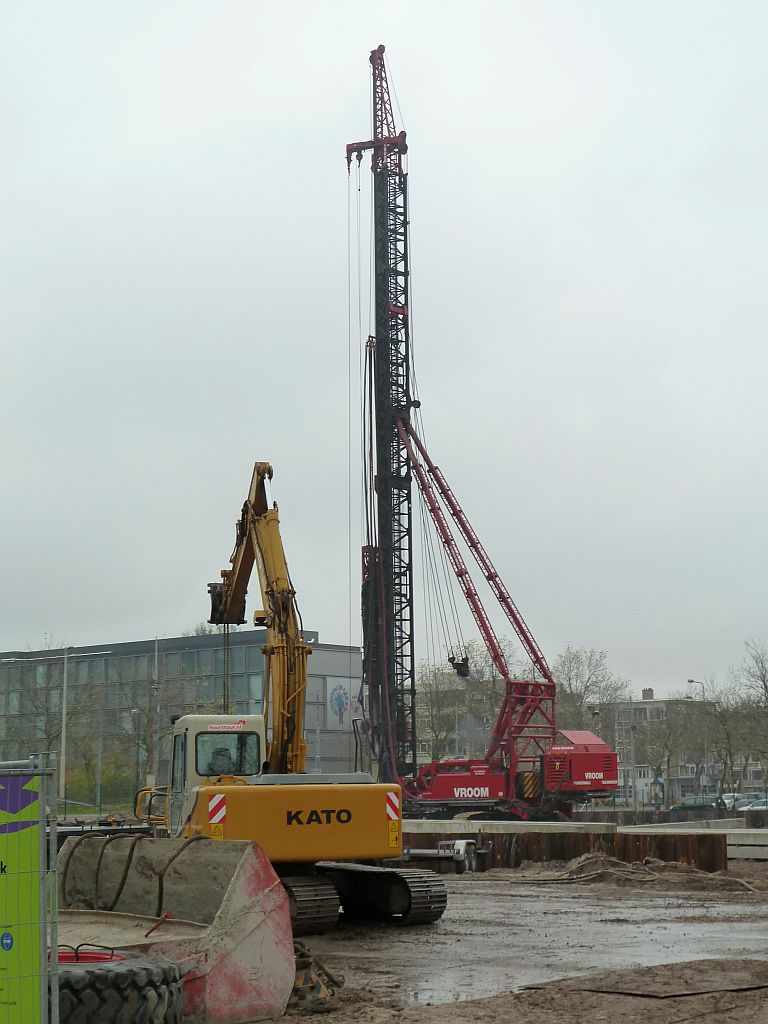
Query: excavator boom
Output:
(258,542)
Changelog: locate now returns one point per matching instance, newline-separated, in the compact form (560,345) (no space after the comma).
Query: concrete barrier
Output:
(749,844)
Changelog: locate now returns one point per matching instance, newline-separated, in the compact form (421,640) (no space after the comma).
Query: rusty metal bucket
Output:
(216,908)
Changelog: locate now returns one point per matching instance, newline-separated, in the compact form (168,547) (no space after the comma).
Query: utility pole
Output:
(136,713)
(705,774)
(156,717)
(632,731)
(99,752)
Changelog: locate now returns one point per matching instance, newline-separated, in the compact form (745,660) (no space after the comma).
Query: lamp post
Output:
(137,719)
(63,743)
(705,773)
(156,693)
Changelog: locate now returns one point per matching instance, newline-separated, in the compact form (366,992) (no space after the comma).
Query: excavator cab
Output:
(211,749)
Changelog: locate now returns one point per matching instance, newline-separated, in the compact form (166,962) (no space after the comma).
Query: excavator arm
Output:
(258,542)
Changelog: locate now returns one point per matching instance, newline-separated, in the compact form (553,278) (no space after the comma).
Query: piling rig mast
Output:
(388,661)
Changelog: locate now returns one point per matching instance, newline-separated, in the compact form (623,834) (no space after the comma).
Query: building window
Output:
(171,665)
(238,688)
(254,659)
(256,686)
(314,716)
(127,669)
(204,691)
(316,690)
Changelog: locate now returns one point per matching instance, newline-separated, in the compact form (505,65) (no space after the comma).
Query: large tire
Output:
(136,990)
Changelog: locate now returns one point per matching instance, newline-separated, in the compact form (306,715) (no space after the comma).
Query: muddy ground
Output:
(509,939)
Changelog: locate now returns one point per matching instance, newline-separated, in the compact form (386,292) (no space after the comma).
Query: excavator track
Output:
(429,895)
(406,895)
(313,902)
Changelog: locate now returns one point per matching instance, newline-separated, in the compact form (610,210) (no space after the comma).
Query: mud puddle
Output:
(498,937)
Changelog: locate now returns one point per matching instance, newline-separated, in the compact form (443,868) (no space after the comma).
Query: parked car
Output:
(737,801)
(758,805)
(692,803)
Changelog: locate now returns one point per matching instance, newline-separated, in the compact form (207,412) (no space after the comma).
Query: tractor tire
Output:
(136,990)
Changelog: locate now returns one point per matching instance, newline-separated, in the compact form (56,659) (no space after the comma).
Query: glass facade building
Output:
(111,704)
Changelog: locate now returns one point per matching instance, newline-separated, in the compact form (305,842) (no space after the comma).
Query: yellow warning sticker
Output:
(394,834)
(217,831)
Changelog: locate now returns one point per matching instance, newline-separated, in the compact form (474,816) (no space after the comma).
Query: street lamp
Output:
(705,774)
(137,777)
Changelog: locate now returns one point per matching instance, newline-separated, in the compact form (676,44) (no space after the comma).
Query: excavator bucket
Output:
(216,908)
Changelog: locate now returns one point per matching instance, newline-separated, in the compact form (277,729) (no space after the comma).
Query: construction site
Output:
(501,885)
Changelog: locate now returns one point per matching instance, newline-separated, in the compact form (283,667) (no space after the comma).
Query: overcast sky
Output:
(589,231)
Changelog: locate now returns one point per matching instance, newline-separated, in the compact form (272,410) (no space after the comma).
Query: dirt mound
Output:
(658,874)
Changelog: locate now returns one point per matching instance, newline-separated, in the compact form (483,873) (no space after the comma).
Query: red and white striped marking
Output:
(393,806)
(217,809)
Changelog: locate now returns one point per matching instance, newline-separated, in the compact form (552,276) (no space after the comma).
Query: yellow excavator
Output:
(235,777)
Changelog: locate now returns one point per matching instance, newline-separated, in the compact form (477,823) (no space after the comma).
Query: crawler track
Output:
(314,903)
(405,895)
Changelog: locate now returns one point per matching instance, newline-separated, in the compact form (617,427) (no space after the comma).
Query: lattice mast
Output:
(388,646)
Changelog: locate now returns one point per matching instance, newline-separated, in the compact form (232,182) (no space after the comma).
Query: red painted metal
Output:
(524,737)
(525,726)
(88,956)
(388,145)
(582,764)
(495,581)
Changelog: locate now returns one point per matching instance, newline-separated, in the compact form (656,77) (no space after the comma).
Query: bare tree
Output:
(206,629)
(440,697)
(659,742)
(459,701)
(583,677)
(752,675)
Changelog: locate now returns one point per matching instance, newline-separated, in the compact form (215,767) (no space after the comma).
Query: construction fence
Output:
(28,921)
